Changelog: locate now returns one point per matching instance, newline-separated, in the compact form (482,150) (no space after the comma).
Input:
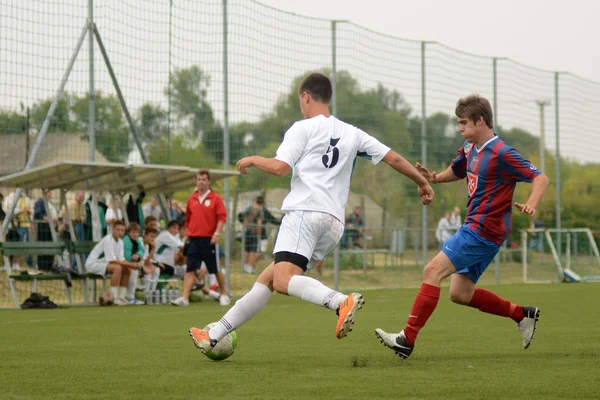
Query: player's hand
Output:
(426,194)
(244,164)
(431,176)
(214,239)
(525,208)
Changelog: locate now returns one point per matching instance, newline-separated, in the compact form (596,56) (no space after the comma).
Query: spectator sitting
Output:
(151,222)
(108,256)
(169,247)
(133,248)
(151,272)
(444,229)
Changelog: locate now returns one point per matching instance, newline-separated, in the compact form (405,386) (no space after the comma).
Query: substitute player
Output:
(492,169)
(320,150)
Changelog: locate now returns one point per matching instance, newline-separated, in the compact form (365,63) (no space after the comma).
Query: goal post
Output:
(579,260)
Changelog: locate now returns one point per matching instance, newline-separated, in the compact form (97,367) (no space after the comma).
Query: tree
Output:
(12,123)
(187,90)
(61,121)
(152,123)
(111,131)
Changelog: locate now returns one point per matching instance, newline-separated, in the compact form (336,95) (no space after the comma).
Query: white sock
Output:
(131,284)
(147,279)
(122,290)
(212,279)
(155,276)
(313,291)
(243,311)
(213,294)
(113,290)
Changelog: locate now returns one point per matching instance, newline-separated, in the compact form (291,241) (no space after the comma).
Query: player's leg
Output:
(212,261)
(116,272)
(304,239)
(464,292)
(131,285)
(243,311)
(425,303)
(194,261)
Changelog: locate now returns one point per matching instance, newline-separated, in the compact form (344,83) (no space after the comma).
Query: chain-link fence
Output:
(195,72)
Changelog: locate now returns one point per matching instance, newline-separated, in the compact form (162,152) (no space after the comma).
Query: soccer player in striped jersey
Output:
(492,169)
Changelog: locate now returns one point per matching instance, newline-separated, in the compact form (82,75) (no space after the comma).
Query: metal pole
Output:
(336,251)
(226,145)
(130,122)
(558,217)
(542,104)
(46,124)
(495,64)
(169,84)
(92,98)
(423,152)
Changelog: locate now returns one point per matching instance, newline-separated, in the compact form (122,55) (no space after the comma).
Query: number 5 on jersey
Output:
(335,154)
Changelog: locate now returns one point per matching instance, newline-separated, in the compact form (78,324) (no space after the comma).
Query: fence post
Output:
(229,229)
(92,98)
(558,216)
(336,251)
(423,151)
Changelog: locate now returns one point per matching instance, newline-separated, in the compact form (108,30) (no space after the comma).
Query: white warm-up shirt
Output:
(108,249)
(321,152)
(167,246)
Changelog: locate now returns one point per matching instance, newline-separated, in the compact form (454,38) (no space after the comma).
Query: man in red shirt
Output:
(205,217)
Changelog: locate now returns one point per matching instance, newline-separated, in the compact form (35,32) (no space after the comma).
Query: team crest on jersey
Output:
(474,163)
(207,203)
(467,147)
(472,180)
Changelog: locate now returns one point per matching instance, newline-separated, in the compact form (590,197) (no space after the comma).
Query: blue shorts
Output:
(471,254)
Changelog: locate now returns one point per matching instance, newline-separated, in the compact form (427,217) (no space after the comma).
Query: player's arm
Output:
(269,165)
(399,163)
(433,177)
(539,186)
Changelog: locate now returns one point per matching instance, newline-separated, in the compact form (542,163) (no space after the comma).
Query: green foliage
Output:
(12,123)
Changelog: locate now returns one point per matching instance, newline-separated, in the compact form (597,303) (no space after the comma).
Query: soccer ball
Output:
(107,298)
(225,348)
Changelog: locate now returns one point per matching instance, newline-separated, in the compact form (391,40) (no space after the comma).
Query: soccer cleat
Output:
(396,342)
(121,302)
(345,311)
(528,324)
(136,302)
(180,301)
(224,300)
(201,340)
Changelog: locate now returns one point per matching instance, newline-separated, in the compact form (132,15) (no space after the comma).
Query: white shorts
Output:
(312,234)
(97,267)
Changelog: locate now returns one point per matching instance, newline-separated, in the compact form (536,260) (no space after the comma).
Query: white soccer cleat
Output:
(528,324)
(121,302)
(224,300)
(136,302)
(181,302)
(396,342)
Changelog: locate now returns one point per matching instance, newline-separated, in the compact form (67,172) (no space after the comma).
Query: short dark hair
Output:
(149,231)
(172,223)
(149,219)
(473,107)
(204,171)
(117,223)
(133,226)
(318,86)
(260,200)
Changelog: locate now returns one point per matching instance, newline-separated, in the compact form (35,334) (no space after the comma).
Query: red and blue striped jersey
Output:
(492,174)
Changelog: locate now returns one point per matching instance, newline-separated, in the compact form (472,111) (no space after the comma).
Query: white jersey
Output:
(166,247)
(321,152)
(108,249)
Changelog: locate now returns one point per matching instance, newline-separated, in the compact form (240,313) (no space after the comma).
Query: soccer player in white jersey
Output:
(108,256)
(320,151)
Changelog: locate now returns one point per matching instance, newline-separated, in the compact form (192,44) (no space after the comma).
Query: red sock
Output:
(490,303)
(422,308)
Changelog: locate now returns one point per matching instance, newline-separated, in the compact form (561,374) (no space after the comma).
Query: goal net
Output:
(570,255)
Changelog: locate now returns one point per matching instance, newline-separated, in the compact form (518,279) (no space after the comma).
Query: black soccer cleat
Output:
(396,342)
(528,324)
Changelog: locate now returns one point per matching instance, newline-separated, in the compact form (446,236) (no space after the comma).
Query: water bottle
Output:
(163,296)
(149,298)
(156,297)
(177,294)
(171,295)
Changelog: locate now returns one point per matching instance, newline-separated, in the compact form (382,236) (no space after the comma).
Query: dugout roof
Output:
(109,177)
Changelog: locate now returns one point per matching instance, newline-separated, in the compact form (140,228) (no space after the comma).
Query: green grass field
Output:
(289,351)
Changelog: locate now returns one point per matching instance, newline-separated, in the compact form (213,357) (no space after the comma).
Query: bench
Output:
(33,249)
